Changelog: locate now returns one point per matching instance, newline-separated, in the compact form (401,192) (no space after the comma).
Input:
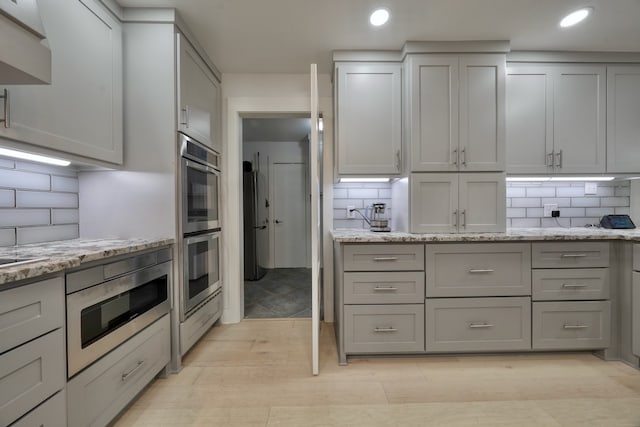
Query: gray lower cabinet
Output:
(384,328)
(195,326)
(30,374)
(570,254)
(100,392)
(384,257)
(478,324)
(403,287)
(570,284)
(571,325)
(51,413)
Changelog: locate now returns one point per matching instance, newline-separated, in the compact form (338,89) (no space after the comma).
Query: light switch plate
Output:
(590,188)
(548,208)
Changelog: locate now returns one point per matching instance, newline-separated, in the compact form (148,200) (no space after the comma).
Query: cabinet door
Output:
(579,119)
(482,202)
(199,96)
(433,90)
(81,111)
(482,99)
(434,202)
(529,115)
(369,124)
(623,118)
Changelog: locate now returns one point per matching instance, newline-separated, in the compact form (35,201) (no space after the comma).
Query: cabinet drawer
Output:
(52,413)
(570,255)
(475,270)
(478,324)
(100,392)
(384,328)
(29,374)
(636,257)
(383,257)
(571,325)
(570,284)
(384,288)
(200,322)
(28,311)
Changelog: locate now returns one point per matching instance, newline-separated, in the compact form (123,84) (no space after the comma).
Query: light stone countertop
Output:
(65,254)
(512,234)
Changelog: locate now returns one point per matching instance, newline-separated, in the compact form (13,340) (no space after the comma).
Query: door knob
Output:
(277,221)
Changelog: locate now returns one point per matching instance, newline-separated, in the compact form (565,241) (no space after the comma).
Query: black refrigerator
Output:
(252,268)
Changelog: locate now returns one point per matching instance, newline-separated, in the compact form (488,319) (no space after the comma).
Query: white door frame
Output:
(232,208)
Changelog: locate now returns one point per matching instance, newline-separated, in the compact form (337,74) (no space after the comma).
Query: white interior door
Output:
(316,250)
(289,201)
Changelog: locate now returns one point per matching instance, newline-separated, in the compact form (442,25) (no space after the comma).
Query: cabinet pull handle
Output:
(398,161)
(127,375)
(455,219)
(455,157)
(5,100)
(480,270)
(480,325)
(464,218)
(385,258)
(575,326)
(387,329)
(573,286)
(384,288)
(559,157)
(185,112)
(573,255)
(463,154)
(549,162)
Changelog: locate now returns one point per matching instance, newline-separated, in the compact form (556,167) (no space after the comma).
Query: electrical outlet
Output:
(548,208)
(350,212)
(590,188)
(555,213)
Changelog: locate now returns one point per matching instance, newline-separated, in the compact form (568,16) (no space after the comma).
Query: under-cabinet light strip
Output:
(33,157)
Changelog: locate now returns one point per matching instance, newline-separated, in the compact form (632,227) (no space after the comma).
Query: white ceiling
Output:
(285,36)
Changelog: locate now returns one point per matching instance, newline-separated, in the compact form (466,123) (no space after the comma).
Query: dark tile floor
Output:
(282,292)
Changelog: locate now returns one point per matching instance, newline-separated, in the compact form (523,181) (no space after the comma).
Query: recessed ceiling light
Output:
(379,17)
(574,17)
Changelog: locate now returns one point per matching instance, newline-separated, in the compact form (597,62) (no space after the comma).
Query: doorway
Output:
(276,213)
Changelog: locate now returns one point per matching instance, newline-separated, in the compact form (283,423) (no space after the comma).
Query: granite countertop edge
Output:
(66,254)
(511,235)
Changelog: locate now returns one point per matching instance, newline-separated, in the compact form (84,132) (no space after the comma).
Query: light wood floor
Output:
(257,373)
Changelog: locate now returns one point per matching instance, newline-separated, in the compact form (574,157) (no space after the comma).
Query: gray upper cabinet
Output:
(556,118)
(81,111)
(623,118)
(456,112)
(199,96)
(369,119)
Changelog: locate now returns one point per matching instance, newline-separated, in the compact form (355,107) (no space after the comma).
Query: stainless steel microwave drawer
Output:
(398,287)
(570,254)
(478,269)
(570,284)
(384,328)
(478,324)
(383,257)
(571,325)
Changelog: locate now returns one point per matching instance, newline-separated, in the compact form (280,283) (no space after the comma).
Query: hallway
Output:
(281,293)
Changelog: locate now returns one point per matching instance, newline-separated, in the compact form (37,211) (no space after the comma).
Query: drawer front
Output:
(383,257)
(97,394)
(570,284)
(570,254)
(28,311)
(571,325)
(404,287)
(476,270)
(30,374)
(478,324)
(384,328)
(636,257)
(52,413)
(200,322)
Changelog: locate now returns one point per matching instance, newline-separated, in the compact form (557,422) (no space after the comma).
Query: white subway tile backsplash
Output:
(23,217)
(535,212)
(343,203)
(64,183)
(7,198)
(46,169)
(516,192)
(581,222)
(622,211)
(339,193)
(570,191)
(525,222)
(349,223)
(556,222)
(617,202)
(605,191)
(585,202)
(65,216)
(36,199)
(571,212)
(46,234)
(339,214)
(518,202)
(516,212)
(24,180)
(7,236)
(363,193)
(599,212)
(623,191)
(562,202)
(541,192)
(7,163)
(384,193)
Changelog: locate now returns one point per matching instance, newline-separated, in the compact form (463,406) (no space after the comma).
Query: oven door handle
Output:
(195,165)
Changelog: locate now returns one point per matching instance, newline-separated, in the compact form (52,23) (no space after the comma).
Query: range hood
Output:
(24,57)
